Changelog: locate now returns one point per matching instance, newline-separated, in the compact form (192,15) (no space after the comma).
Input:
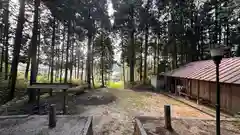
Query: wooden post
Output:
(38,101)
(52,116)
(209,91)
(230,99)
(198,89)
(175,86)
(190,87)
(64,101)
(167,117)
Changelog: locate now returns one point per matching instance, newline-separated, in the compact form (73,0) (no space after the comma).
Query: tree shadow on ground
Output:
(57,99)
(95,98)
(75,103)
(142,88)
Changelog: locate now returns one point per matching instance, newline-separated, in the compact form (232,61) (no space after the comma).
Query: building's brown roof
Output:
(206,70)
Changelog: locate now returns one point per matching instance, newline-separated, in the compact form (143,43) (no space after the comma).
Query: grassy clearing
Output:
(115,85)
(110,84)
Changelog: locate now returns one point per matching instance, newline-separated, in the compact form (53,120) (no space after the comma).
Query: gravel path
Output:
(117,117)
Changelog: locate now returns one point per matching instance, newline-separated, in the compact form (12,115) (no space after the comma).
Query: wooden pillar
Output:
(190,87)
(52,116)
(168,87)
(230,99)
(209,90)
(198,91)
(167,117)
(175,86)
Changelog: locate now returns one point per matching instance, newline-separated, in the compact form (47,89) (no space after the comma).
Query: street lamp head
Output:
(216,52)
(217,55)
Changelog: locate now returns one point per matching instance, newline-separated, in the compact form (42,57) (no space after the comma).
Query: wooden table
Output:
(48,86)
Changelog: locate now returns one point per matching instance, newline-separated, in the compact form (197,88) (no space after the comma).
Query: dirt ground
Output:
(117,117)
(114,110)
(38,125)
(190,127)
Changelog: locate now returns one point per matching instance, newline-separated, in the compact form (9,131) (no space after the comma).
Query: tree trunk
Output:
(132,46)
(27,69)
(220,34)
(92,66)
(155,57)
(72,59)
(61,68)
(33,78)
(141,60)
(82,67)
(216,23)
(181,35)
(145,55)
(181,52)
(123,68)
(49,71)
(39,44)
(17,47)
(52,51)
(57,67)
(227,40)
(38,51)
(28,61)
(2,57)
(75,65)
(174,54)
(67,51)
(57,53)
(102,60)
(6,37)
(93,77)
(88,66)
(202,42)
(78,66)
(2,48)
(56,75)
(123,63)
(158,53)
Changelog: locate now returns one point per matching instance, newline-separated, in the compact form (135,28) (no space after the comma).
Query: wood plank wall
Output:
(230,93)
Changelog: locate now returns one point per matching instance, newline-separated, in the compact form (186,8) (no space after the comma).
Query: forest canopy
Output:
(64,40)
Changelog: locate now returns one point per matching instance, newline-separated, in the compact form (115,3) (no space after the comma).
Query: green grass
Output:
(22,83)
(110,84)
(116,85)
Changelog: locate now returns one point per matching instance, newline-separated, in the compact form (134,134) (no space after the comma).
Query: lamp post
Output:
(217,55)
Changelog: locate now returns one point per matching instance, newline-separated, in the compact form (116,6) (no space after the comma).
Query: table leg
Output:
(38,101)
(64,101)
